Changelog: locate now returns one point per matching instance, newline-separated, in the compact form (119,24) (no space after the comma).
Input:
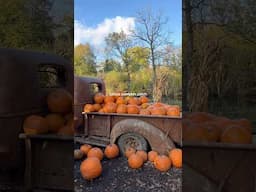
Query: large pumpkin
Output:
(60,101)
(91,168)
(55,122)
(111,151)
(35,124)
(133,109)
(236,134)
(110,108)
(135,161)
(162,163)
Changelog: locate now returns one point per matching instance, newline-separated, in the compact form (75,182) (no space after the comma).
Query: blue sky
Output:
(95,18)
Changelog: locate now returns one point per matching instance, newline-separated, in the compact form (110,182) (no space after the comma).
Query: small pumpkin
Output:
(78,154)
(35,124)
(99,98)
(176,157)
(129,151)
(95,152)
(55,122)
(162,163)
(91,168)
(121,108)
(132,109)
(89,108)
(109,99)
(135,161)
(111,151)
(85,148)
(96,107)
(121,100)
(144,99)
(134,101)
(143,154)
(60,101)
(110,108)
(236,134)
(144,112)
(152,155)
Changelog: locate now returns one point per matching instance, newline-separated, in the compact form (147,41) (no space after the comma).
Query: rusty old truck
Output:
(144,132)
(39,161)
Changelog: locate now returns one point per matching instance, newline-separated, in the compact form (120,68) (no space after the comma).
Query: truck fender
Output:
(157,139)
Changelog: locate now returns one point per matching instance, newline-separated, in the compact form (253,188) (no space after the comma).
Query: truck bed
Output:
(97,126)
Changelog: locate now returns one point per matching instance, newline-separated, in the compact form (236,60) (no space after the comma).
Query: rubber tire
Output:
(121,142)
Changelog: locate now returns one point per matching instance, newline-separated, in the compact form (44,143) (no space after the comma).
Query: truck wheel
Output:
(133,140)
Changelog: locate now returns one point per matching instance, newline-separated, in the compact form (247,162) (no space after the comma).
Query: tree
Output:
(150,31)
(139,57)
(118,44)
(84,60)
(111,65)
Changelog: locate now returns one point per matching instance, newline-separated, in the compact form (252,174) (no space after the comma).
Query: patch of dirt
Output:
(118,177)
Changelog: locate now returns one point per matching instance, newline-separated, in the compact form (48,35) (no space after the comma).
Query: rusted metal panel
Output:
(230,167)
(49,162)
(160,131)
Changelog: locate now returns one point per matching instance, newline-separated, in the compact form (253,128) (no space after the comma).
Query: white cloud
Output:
(95,36)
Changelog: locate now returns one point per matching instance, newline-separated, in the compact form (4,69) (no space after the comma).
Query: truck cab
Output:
(26,78)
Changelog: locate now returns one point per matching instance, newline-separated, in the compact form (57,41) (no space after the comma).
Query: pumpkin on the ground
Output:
(78,154)
(35,124)
(85,148)
(111,151)
(91,168)
(129,151)
(135,161)
(152,155)
(143,154)
(162,163)
(60,101)
(176,157)
(55,122)
(95,152)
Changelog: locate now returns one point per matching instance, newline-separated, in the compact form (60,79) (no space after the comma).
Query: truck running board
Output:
(93,140)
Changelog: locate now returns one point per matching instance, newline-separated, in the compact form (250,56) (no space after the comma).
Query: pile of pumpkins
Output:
(130,105)
(206,127)
(91,167)
(59,120)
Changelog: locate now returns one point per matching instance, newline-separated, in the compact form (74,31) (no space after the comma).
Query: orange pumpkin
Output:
(135,161)
(95,152)
(99,98)
(144,112)
(245,123)
(162,163)
(109,99)
(194,132)
(55,122)
(111,151)
(35,124)
(173,111)
(145,105)
(121,108)
(158,111)
(110,108)
(68,129)
(236,134)
(158,104)
(85,148)
(152,155)
(60,101)
(213,131)
(133,109)
(89,108)
(143,154)
(96,107)
(129,151)
(91,168)
(144,99)
(101,110)
(200,117)
(120,100)
(133,101)
(176,157)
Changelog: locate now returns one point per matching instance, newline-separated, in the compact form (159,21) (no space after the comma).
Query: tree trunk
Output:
(154,84)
